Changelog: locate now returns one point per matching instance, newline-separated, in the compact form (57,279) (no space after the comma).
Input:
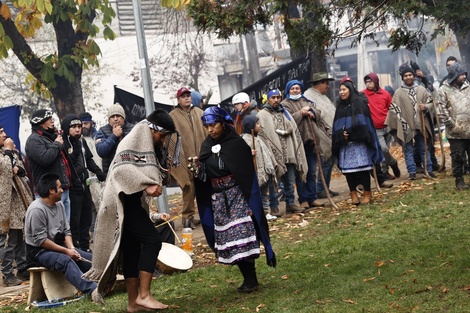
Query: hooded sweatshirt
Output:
(379,102)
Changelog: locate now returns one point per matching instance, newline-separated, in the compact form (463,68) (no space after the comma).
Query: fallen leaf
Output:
(285,277)
(429,288)
(369,279)
(379,263)
(350,301)
(260,306)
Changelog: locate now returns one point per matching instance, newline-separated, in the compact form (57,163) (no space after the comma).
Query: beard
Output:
(86,132)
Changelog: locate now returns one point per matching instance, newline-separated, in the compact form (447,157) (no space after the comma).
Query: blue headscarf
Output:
(214,114)
(289,85)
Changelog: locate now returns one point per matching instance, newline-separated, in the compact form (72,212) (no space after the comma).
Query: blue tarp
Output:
(10,120)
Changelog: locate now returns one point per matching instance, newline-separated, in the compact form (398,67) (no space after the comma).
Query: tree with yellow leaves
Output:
(74,27)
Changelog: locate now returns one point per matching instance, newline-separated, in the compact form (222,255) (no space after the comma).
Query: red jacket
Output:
(379,103)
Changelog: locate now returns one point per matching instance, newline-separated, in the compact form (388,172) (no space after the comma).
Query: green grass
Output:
(408,252)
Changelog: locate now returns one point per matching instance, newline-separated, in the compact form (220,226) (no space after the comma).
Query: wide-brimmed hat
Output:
(319,77)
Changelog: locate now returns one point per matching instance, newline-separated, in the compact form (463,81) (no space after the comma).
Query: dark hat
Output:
(85,117)
(319,77)
(181,91)
(455,70)
(40,116)
(69,121)
(405,68)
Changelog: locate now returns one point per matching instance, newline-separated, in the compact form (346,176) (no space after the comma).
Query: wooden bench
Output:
(51,285)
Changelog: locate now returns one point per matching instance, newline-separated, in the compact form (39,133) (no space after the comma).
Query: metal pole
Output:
(162,201)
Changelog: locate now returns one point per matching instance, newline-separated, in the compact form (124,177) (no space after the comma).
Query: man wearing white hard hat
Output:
(244,106)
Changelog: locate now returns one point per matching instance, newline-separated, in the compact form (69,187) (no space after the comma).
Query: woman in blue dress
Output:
(354,140)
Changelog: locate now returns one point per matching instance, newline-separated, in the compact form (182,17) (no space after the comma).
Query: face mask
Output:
(295,97)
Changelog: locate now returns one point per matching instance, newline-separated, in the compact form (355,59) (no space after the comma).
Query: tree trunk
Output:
(464,46)
(68,98)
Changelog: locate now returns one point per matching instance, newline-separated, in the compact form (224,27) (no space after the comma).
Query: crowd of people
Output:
(238,168)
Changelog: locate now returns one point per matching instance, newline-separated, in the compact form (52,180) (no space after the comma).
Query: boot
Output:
(354,197)
(367,198)
(275,212)
(250,281)
(460,184)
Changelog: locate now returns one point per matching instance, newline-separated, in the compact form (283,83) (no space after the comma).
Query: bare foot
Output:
(150,303)
(138,308)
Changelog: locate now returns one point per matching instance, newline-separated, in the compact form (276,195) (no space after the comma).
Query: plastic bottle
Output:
(92,179)
(187,239)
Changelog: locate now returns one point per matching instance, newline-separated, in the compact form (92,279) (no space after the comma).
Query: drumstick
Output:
(171,227)
(166,222)
(84,260)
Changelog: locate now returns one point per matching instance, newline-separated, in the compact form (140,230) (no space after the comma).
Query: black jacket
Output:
(46,156)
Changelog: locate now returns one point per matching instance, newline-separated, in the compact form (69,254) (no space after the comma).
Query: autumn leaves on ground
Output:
(407,252)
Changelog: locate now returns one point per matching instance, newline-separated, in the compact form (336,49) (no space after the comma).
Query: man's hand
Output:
(73,254)
(154,190)
(59,139)
(422,107)
(117,131)
(9,144)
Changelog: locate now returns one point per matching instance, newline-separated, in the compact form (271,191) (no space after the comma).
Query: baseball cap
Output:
(181,91)
(240,97)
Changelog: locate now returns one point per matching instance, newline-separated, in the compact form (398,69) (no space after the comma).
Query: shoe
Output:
(191,223)
(432,175)
(386,185)
(396,170)
(322,194)
(389,177)
(333,193)
(354,197)
(275,212)
(157,274)
(305,205)
(24,276)
(419,170)
(435,167)
(412,176)
(247,289)
(367,198)
(460,184)
(293,209)
(270,217)
(315,204)
(11,281)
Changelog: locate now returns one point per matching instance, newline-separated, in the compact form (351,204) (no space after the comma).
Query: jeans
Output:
(409,151)
(14,250)
(327,168)
(385,138)
(289,180)
(273,195)
(72,270)
(308,191)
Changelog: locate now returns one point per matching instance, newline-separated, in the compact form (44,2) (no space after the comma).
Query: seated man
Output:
(48,237)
